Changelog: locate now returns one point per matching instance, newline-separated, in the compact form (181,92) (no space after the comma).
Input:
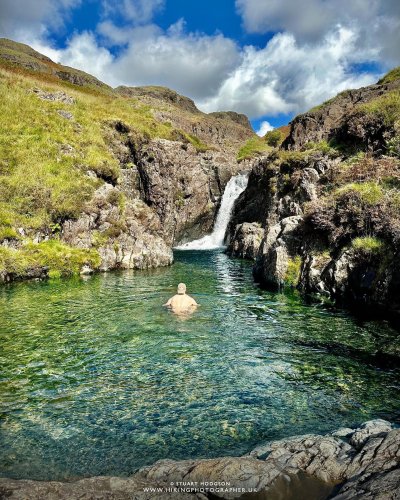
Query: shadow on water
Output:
(98,378)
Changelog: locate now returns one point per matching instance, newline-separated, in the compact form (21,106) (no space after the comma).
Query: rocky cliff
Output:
(327,202)
(346,464)
(95,178)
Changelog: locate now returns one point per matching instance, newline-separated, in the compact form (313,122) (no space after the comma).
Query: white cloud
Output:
(24,23)
(264,128)
(193,64)
(376,22)
(136,11)
(286,77)
(310,60)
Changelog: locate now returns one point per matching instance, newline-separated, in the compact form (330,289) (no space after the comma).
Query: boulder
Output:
(246,241)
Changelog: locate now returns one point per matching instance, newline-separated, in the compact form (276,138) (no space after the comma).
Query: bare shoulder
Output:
(193,302)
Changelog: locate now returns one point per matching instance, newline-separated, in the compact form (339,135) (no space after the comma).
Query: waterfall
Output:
(233,189)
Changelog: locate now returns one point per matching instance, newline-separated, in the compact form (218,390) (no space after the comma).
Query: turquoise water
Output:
(98,378)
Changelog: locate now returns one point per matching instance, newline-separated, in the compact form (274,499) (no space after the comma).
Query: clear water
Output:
(97,378)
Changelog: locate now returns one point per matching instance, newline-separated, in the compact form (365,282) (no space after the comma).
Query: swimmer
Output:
(181,302)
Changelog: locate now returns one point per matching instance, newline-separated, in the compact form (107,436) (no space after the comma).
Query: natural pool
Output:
(97,378)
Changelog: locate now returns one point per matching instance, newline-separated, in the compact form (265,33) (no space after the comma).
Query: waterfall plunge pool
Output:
(98,379)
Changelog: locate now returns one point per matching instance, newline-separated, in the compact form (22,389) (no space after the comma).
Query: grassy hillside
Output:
(50,164)
(55,151)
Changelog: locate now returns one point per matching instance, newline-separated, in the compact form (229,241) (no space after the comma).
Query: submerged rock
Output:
(365,465)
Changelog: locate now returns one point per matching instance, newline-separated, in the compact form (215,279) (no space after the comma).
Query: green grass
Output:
(321,146)
(393,75)
(367,244)
(197,143)
(253,147)
(370,193)
(386,107)
(45,160)
(39,184)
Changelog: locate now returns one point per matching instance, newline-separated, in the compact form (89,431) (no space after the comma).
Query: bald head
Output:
(181,289)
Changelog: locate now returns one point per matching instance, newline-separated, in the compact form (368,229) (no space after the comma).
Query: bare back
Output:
(181,303)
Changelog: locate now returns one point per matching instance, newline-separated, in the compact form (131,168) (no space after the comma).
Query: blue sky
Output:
(266,58)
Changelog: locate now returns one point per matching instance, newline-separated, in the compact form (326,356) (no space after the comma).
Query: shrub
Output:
(273,138)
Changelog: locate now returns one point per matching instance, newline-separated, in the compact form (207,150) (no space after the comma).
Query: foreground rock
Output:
(359,463)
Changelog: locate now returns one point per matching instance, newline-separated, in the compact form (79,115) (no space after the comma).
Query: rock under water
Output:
(343,465)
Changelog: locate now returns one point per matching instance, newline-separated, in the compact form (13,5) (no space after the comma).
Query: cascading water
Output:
(233,189)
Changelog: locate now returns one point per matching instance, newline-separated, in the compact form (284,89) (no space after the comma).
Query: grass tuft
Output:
(367,244)
(253,147)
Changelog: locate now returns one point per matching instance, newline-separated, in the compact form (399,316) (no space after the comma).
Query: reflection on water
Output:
(98,378)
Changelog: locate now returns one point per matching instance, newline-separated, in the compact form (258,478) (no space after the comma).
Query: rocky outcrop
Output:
(311,233)
(346,464)
(23,56)
(330,216)
(246,241)
(281,243)
(32,273)
(239,118)
(341,120)
(183,187)
(163,94)
(125,236)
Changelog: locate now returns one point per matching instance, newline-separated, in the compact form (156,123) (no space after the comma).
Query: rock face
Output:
(362,463)
(183,187)
(154,193)
(330,217)
(167,193)
(340,119)
(246,241)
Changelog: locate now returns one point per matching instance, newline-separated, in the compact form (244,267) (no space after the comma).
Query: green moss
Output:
(253,147)
(370,193)
(368,244)
(61,259)
(292,275)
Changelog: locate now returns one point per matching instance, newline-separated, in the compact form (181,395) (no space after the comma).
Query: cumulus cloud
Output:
(264,128)
(26,23)
(310,57)
(192,64)
(376,23)
(82,52)
(286,77)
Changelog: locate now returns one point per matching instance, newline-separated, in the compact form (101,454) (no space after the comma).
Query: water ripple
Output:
(98,378)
